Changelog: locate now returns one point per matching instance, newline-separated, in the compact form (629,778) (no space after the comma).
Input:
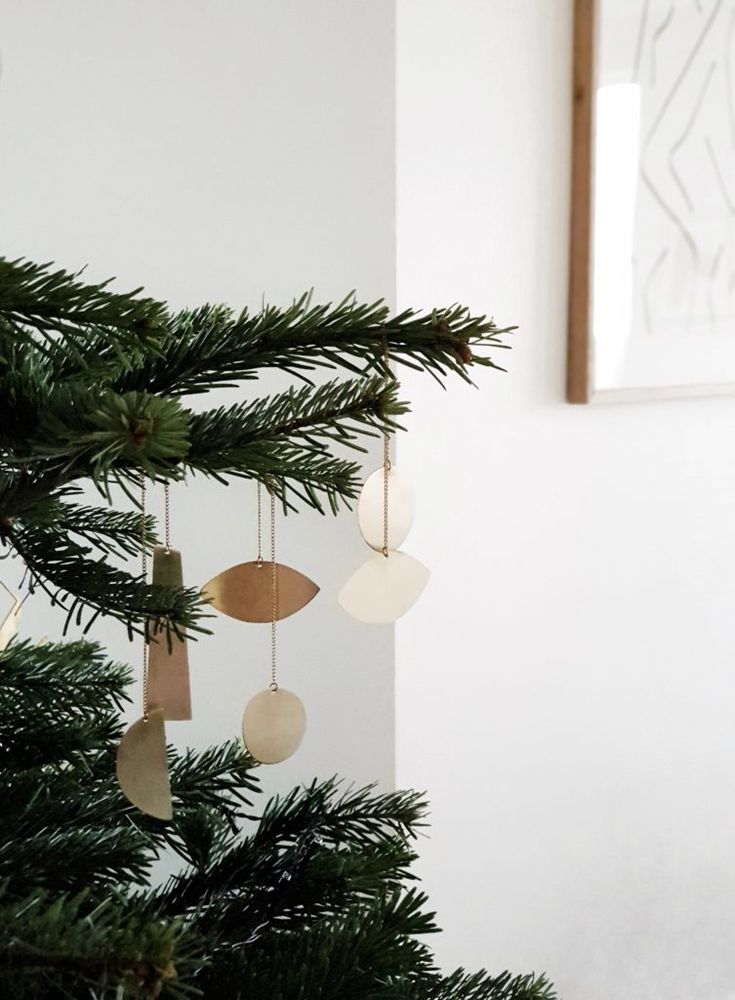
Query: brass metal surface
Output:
(169,687)
(142,767)
(245,591)
(273,725)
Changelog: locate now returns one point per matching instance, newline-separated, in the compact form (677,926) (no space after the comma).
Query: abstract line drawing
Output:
(686,132)
(687,166)
(657,316)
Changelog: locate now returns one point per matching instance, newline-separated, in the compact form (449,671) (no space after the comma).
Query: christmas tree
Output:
(308,897)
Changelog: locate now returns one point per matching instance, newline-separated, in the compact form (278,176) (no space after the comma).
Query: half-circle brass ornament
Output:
(142,766)
(273,725)
(9,624)
(245,591)
(384,588)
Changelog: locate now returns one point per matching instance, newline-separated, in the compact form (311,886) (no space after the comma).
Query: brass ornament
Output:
(142,766)
(383,589)
(273,725)
(244,591)
(274,721)
(370,513)
(9,624)
(389,582)
(169,686)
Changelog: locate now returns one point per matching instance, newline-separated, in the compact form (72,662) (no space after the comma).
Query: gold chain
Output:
(144,566)
(386,459)
(274,594)
(167,517)
(260,529)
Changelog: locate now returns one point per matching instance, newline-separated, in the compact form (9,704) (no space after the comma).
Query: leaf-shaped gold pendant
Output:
(245,591)
(142,767)
(382,590)
(168,660)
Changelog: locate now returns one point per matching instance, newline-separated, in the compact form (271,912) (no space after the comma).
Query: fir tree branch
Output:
(61,567)
(33,296)
(91,948)
(211,346)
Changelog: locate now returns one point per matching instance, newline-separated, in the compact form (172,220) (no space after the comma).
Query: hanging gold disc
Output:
(273,725)
(169,687)
(371,508)
(142,766)
(245,591)
(382,590)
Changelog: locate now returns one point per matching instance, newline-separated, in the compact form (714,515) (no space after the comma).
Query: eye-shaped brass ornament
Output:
(384,589)
(9,624)
(142,767)
(244,591)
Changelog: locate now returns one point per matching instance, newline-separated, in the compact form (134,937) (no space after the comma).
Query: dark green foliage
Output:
(308,898)
(309,902)
(90,387)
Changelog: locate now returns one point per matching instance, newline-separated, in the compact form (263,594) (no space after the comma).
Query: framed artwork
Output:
(652,276)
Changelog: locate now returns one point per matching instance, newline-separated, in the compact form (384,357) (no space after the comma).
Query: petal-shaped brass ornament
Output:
(273,725)
(401,506)
(168,660)
(9,624)
(142,767)
(382,590)
(245,591)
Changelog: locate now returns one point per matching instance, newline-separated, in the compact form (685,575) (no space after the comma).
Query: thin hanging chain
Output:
(386,460)
(167,518)
(274,594)
(144,567)
(260,529)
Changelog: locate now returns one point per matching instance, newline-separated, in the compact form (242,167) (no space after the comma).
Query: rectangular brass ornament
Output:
(168,666)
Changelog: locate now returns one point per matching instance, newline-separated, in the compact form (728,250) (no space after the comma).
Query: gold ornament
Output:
(244,591)
(142,764)
(370,513)
(389,582)
(273,725)
(169,686)
(274,721)
(142,767)
(384,589)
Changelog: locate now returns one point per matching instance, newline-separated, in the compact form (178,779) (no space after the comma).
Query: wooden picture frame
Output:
(578,357)
(712,369)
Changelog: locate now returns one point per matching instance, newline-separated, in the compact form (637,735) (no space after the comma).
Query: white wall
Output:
(566,685)
(221,151)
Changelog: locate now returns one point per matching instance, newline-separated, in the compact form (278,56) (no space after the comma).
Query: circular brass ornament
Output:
(273,725)
(371,508)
